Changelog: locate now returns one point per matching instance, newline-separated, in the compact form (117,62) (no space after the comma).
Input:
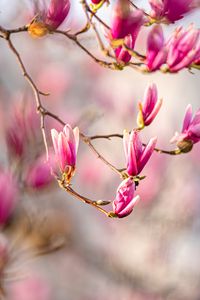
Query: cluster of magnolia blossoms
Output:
(137,154)
(66,146)
(171,10)
(181,50)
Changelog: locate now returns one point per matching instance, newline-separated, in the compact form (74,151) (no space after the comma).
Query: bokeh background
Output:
(153,253)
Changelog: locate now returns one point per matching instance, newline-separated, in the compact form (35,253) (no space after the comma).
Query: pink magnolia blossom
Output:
(48,18)
(171,10)
(39,174)
(136,154)
(125,24)
(183,48)
(190,133)
(8,195)
(150,107)
(156,50)
(125,201)
(66,146)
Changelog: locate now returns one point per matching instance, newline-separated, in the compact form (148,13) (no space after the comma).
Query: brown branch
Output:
(93,14)
(136,7)
(110,65)
(85,200)
(117,135)
(88,142)
(36,91)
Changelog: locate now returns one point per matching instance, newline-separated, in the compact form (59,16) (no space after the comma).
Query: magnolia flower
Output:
(156,51)
(171,10)
(8,195)
(150,107)
(183,48)
(49,18)
(125,26)
(66,146)
(136,154)
(190,133)
(125,201)
(39,175)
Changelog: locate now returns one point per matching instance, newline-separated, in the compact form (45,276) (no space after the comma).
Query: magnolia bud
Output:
(185,146)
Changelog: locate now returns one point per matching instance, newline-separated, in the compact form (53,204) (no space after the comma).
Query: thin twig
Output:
(88,142)
(40,109)
(85,200)
(117,135)
(136,7)
(93,14)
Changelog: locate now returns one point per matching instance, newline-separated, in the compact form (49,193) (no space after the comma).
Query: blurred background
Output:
(153,253)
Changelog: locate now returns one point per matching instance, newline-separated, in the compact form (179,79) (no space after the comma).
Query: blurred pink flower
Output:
(8,195)
(30,288)
(136,154)
(190,131)
(171,10)
(48,18)
(15,140)
(125,201)
(23,128)
(183,48)
(39,174)
(125,24)
(156,51)
(66,146)
(150,107)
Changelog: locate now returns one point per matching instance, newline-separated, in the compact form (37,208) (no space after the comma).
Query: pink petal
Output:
(187,118)
(129,208)
(125,143)
(147,153)
(54,135)
(132,168)
(154,112)
(76,137)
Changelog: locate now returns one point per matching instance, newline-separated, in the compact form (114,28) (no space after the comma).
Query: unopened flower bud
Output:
(125,199)
(185,146)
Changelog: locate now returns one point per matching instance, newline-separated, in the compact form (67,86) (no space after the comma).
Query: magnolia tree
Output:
(116,36)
